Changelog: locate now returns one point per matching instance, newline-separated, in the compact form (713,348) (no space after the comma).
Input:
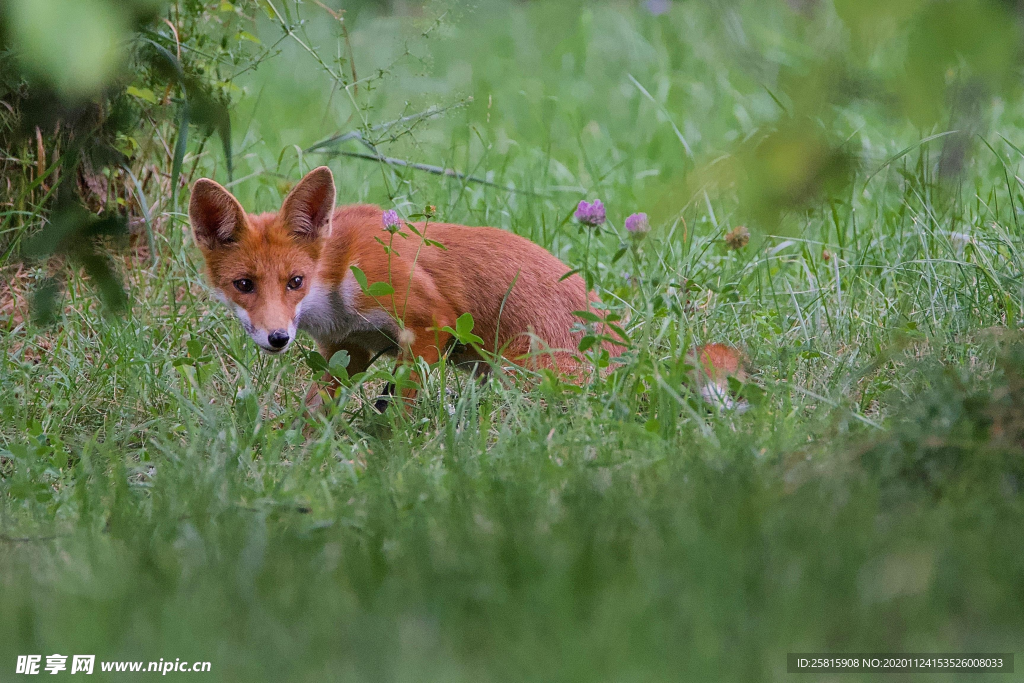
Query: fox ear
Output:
(308,207)
(215,214)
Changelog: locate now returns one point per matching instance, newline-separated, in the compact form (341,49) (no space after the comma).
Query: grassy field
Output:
(162,495)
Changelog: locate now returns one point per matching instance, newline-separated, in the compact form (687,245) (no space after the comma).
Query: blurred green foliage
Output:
(80,78)
(955,438)
(934,63)
(76,46)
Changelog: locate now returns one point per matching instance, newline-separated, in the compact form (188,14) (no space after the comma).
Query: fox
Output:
(294,269)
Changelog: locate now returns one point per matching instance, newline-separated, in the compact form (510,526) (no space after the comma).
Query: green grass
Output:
(162,495)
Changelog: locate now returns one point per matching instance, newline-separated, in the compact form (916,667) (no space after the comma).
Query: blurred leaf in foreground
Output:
(75,233)
(73,44)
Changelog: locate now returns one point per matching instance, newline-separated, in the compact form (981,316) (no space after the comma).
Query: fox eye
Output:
(243,285)
(295,282)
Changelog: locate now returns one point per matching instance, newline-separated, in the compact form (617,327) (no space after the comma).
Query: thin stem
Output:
(586,267)
(394,308)
(416,258)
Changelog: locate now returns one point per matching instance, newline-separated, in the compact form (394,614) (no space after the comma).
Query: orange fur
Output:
(531,325)
(713,365)
(718,362)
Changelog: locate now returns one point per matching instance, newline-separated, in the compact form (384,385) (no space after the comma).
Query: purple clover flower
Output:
(591,214)
(392,222)
(637,224)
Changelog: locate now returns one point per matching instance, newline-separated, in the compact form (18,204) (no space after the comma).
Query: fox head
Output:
(263,265)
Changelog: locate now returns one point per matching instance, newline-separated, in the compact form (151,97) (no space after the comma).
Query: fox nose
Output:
(278,338)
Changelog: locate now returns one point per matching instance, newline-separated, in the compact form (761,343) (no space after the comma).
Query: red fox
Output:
(293,270)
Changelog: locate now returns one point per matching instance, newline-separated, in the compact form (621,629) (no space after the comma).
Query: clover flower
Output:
(737,238)
(638,225)
(392,222)
(590,213)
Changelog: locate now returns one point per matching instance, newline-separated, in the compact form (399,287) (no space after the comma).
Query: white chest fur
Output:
(331,316)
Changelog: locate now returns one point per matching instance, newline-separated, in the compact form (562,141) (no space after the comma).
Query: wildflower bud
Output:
(637,225)
(430,210)
(392,223)
(738,237)
(591,214)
